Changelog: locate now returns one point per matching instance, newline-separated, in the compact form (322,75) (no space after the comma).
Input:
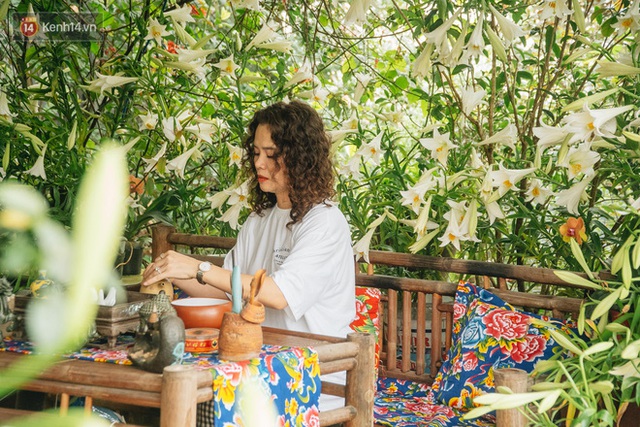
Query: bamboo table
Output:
(178,390)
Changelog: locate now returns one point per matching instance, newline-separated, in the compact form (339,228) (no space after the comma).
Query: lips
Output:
(262,178)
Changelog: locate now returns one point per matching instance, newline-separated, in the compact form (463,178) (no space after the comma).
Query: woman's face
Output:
(271,173)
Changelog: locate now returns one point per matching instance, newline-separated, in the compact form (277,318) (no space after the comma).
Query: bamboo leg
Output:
(178,399)
(88,405)
(361,381)
(64,404)
(518,381)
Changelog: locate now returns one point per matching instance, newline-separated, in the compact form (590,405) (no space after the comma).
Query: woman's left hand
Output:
(170,265)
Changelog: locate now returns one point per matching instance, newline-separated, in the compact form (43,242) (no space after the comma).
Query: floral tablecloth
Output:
(287,376)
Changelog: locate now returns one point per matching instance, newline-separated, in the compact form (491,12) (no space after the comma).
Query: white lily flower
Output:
(156,31)
(507,136)
(231,215)
(361,248)
(414,196)
(38,167)
(265,34)
(171,128)
(107,83)
(494,211)
(636,204)
(475,46)
(152,162)
(471,99)
(218,199)
(179,163)
(352,124)
(235,154)
(571,197)
(395,117)
(318,95)
(362,80)
(303,74)
(549,135)
(510,30)
(452,235)
(3,173)
(148,121)
(247,4)
(202,130)
(580,159)
(555,9)
(615,69)
(439,146)
(422,64)
(439,36)
(227,66)
(475,160)
(5,113)
(536,192)
(352,167)
(238,199)
(189,55)
(181,15)
(357,12)
(505,179)
(277,45)
(587,124)
(339,134)
(628,22)
(372,151)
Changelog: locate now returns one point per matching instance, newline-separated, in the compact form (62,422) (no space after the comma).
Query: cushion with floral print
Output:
(489,333)
(368,315)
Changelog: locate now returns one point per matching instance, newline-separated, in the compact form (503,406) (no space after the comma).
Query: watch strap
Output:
(200,277)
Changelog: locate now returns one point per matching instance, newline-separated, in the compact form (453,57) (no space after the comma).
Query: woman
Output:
(294,232)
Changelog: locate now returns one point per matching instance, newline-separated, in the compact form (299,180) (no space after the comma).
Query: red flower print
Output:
(528,350)
(506,325)
(458,311)
(312,417)
(469,361)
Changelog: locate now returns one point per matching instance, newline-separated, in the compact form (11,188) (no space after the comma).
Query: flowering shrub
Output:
(469,129)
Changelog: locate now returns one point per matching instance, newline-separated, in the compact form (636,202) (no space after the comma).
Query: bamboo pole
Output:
(518,381)
(178,399)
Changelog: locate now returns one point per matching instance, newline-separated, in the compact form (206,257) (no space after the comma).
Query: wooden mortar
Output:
(241,333)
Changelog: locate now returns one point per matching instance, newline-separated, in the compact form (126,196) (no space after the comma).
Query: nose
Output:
(259,161)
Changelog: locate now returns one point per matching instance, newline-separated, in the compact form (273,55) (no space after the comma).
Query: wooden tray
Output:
(110,321)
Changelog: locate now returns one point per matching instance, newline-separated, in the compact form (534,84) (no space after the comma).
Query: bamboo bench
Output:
(407,300)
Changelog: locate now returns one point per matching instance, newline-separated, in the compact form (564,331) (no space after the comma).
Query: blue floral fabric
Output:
(489,333)
(288,376)
(402,403)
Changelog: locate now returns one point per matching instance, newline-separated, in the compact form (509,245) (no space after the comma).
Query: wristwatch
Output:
(202,268)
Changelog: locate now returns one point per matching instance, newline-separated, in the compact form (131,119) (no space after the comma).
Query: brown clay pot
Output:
(239,339)
(201,312)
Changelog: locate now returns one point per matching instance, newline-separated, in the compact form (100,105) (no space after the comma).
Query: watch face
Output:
(205,266)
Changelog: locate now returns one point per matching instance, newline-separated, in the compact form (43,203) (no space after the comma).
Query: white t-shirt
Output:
(311,262)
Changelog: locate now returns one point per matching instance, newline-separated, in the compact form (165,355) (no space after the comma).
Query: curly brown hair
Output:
(304,147)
